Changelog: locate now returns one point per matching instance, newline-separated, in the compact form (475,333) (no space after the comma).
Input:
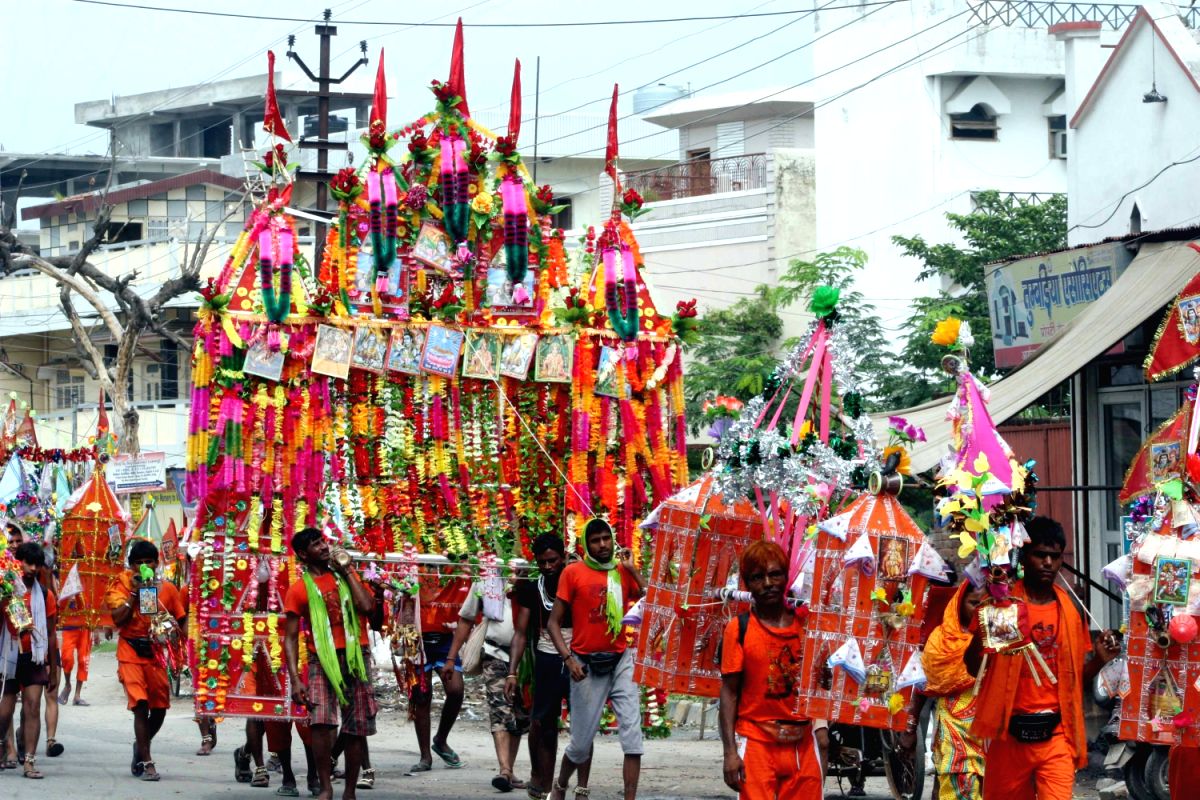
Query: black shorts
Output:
(437,648)
(28,674)
(551,686)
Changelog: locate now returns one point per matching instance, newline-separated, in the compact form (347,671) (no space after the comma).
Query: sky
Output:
(124,51)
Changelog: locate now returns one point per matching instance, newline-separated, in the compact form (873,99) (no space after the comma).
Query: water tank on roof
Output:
(652,98)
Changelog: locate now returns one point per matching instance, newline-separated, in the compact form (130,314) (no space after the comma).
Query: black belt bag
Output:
(144,648)
(600,663)
(1034,728)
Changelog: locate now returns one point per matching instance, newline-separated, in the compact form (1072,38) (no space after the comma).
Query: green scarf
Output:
(614,609)
(322,634)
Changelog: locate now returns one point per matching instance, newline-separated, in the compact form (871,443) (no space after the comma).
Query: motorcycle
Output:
(1143,766)
(856,753)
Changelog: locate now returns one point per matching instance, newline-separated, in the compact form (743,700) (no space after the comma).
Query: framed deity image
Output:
(434,248)
(261,361)
(555,358)
(332,351)
(405,353)
(517,354)
(370,348)
(482,356)
(1172,580)
(442,349)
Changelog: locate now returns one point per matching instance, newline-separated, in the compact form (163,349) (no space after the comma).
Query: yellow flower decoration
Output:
(235,644)
(879,594)
(257,706)
(895,703)
(212,663)
(946,332)
(241,563)
(482,204)
(904,466)
(968,546)
(906,609)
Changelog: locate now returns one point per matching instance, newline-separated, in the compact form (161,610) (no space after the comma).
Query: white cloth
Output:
(498,638)
(38,637)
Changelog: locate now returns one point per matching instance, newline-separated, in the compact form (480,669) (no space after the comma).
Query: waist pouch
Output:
(600,663)
(144,648)
(1033,728)
(785,731)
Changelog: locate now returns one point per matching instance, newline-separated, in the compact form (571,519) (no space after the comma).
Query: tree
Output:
(736,353)
(123,312)
(854,314)
(999,228)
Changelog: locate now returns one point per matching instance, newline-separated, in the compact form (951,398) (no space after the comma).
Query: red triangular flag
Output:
(1162,458)
(458,81)
(610,152)
(514,104)
(379,102)
(8,427)
(26,435)
(272,121)
(1177,342)
(101,417)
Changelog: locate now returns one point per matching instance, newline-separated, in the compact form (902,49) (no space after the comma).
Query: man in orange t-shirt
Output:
(1035,733)
(136,598)
(28,657)
(770,750)
(595,593)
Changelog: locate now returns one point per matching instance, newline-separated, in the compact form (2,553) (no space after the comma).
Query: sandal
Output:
(502,783)
(79,701)
(53,748)
(420,766)
(516,782)
(582,791)
(448,756)
(149,771)
(287,791)
(241,766)
(261,778)
(135,766)
(366,779)
(31,770)
(535,793)
(206,745)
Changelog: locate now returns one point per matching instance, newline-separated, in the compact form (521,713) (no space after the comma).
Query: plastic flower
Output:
(416,197)
(824,300)
(904,466)
(946,332)
(482,204)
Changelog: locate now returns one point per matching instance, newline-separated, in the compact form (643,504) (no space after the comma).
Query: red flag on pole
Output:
(379,102)
(101,418)
(458,80)
(1177,342)
(1163,457)
(514,104)
(610,152)
(272,121)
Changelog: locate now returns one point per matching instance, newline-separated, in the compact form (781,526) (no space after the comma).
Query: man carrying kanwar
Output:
(1034,725)
(330,598)
(770,750)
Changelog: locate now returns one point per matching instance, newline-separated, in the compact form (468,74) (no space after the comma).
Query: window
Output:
(68,389)
(1057,127)
(168,369)
(122,232)
(977,124)
(564,218)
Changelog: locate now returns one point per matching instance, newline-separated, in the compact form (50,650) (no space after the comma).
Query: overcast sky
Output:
(73,52)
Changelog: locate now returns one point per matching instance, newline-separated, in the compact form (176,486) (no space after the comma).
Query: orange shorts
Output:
(144,683)
(1041,771)
(76,642)
(775,770)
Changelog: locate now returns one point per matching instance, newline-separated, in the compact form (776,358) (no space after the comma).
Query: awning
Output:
(1153,278)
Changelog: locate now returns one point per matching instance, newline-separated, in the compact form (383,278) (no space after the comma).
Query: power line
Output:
(580,24)
(1125,196)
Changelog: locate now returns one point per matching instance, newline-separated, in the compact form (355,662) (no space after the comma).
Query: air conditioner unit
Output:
(1060,144)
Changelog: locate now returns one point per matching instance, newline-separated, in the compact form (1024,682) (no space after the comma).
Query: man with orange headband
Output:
(1034,726)
(770,751)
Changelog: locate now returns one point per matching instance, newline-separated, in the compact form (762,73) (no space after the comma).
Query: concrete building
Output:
(740,199)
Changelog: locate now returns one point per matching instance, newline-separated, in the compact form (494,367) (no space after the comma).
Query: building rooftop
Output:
(732,106)
(90,201)
(580,135)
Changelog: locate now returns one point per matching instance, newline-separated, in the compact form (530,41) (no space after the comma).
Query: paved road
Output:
(97,740)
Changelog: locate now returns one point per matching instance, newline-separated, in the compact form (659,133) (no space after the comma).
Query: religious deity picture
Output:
(1172,580)
(442,348)
(1001,626)
(1189,318)
(405,355)
(555,357)
(606,372)
(502,293)
(517,355)
(434,248)
(370,348)
(1164,461)
(364,273)
(331,353)
(264,363)
(893,558)
(482,359)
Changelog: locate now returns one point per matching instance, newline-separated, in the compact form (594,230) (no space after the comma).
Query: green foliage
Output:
(999,228)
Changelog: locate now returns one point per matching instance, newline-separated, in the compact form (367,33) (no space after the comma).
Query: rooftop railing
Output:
(1043,13)
(700,177)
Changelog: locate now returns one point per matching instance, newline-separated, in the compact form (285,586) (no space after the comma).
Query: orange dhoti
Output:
(76,643)
(1020,771)
(777,771)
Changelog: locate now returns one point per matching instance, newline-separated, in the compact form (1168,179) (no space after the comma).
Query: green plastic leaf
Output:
(1172,489)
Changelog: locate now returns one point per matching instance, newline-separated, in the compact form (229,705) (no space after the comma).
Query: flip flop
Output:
(448,756)
(420,766)
(79,701)
(241,766)
(502,783)
(54,748)
(288,791)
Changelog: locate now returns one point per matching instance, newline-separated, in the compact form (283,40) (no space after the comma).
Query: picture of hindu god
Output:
(891,560)
(433,248)
(331,353)
(555,356)
(502,292)
(482,357)
(1000,625)
(606,372)
(1164,461)
(517,355)
(1172,580)
(370,348)
(406,351)
(1190,319)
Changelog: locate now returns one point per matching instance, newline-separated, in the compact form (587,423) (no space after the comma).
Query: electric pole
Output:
(321,144)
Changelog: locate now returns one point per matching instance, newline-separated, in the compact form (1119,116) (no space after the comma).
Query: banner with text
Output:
(146,472)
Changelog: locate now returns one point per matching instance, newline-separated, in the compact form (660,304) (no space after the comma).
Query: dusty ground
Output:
(97,741)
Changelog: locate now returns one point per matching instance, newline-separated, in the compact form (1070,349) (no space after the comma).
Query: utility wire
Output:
(579,24)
